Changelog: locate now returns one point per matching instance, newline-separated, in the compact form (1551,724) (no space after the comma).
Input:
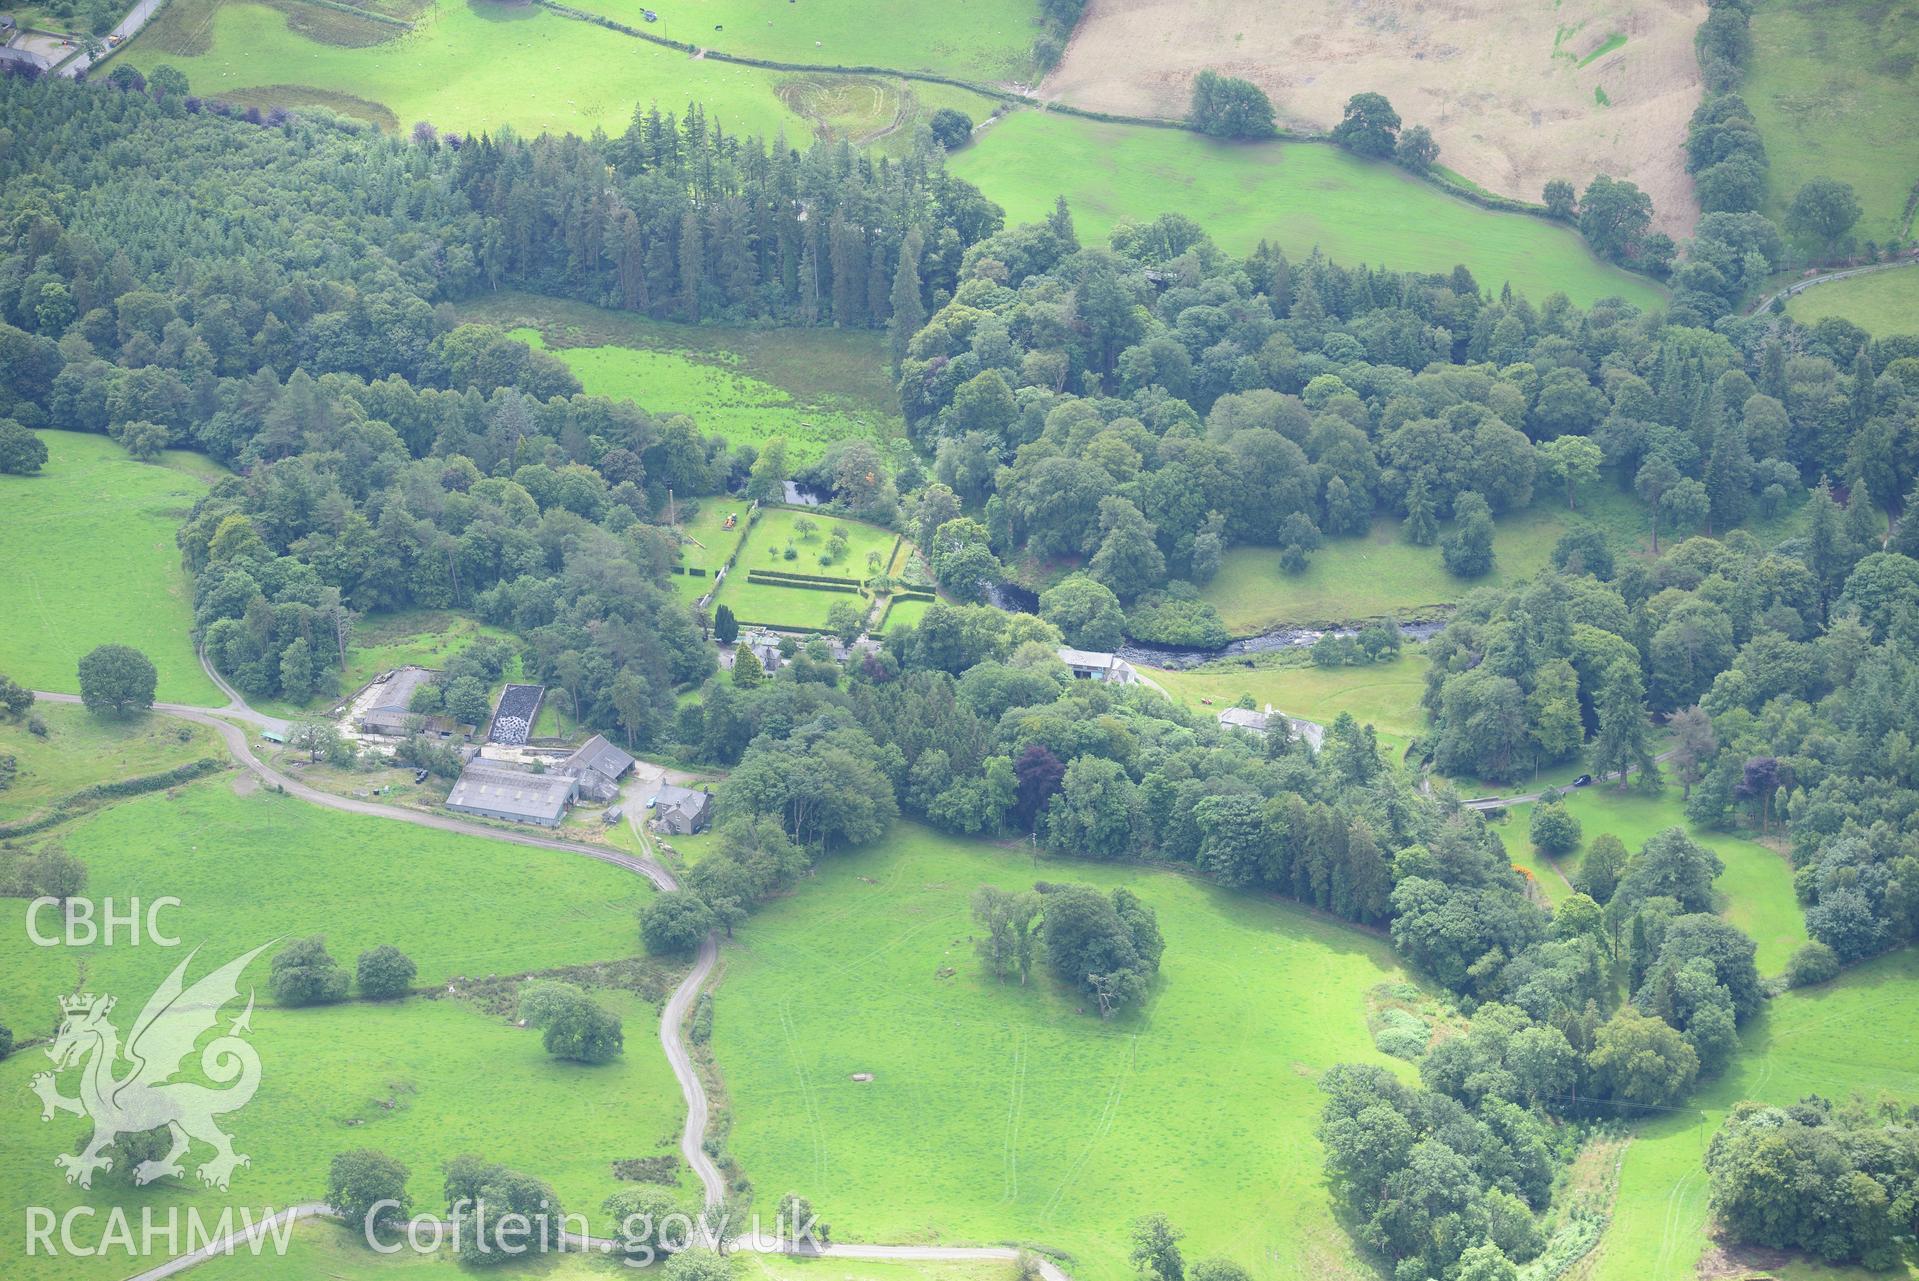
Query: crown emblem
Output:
(76,1005)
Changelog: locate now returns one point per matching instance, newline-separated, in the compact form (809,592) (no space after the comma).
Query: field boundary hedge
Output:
(79,802)
(368,14)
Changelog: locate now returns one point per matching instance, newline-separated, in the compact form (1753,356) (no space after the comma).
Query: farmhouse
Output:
(598,765)
(492,790)
(681,810)
(1093,665)
(1260,722)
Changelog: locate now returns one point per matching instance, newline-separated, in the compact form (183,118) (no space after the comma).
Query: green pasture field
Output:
(1354,578)
(81,749)
(777,606)
(813,386)
(424,1080)
(1380,573)
(1882,304)
(1383,695)
(88,546)
(977,40)
(254,867)
(1755,889)
(1858,1033)
(1296,195)
(472,66)
(469,66)
(1834,88)
(1002,1113)
(326,1250)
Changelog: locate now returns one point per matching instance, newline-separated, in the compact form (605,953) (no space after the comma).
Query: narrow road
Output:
(1803,285)
(672,1017)
(1503,802)
(127,28)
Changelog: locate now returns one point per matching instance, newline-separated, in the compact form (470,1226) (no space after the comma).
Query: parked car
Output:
(419,776)
(1584,780)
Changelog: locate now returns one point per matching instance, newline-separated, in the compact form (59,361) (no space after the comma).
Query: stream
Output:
(1016,599)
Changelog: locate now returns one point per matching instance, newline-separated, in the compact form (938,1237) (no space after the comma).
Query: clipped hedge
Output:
(798,584)
(84,799)
(801,576)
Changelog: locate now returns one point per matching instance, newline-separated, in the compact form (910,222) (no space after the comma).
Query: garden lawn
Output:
(1857,1033)
(773,605)
(1002,1113)
(81,749)
(1755,889)
(1383,695)
(256,867)
(424,1080)
(1296,195)
(469,66)
(1883,303)
(90,559)
(1835,93)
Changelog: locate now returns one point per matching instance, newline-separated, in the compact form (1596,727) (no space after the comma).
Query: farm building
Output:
(385,707)
(492,790)
(1094,665)
(10,57)
(681,810)
(598,765)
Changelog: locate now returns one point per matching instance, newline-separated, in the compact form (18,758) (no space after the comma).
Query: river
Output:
(1016,599)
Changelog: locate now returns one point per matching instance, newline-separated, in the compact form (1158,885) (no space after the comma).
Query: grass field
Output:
(427,1079)
(80,750)
(772,605)
(1295,195)
(1755,889)
(1858,1033)
(88,546)
(975,40)
(1001,1113)
(255,867)
(813,386)
(423,1080)
(1834,88)
(469,67)
(1884,303)
(1383,695)
(1381,573)
(324,1250)
(481,65)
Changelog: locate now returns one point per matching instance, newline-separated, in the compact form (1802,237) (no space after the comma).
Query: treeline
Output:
(1144,407)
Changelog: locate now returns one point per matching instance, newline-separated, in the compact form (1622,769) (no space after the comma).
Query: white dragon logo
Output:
(144,1098)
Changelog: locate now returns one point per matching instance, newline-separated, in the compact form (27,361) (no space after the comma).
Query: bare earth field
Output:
(1517,94)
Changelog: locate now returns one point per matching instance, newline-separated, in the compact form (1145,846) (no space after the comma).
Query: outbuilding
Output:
(492,790)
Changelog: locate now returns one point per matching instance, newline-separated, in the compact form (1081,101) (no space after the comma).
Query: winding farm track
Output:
(672,1016)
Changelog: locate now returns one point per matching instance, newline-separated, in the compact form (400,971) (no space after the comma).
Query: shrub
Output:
(305,974)
(1812,964)
(385,972)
